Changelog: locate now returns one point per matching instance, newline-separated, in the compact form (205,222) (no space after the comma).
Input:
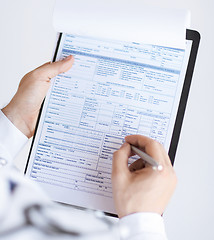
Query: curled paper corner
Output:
(131,22)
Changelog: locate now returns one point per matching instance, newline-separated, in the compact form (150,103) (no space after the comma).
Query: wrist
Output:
(13,114)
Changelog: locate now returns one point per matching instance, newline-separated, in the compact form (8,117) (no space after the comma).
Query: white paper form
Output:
(114,89)
(122,20)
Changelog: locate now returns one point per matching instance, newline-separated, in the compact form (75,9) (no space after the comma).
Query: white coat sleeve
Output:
(142,226)
(12,139)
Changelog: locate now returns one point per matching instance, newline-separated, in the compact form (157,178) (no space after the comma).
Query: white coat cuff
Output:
(137,224)
(11,137)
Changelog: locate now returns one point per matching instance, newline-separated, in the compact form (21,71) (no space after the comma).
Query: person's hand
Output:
(24,108)
(140,188)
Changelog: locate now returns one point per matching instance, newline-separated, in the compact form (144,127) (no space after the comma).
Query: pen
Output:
(147,158)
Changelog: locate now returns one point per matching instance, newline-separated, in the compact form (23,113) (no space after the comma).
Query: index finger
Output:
(151,147)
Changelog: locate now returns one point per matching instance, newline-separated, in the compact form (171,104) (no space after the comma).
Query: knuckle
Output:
(154,143)
(116,154)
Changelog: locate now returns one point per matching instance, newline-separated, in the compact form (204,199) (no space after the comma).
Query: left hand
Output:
(24,108)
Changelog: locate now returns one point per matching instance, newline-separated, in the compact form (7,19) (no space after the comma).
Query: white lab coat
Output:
(26,212)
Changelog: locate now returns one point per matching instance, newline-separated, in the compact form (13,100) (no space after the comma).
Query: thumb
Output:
(50,70)
(120,161)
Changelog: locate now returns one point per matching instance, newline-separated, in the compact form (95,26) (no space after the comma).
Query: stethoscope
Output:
(36,216)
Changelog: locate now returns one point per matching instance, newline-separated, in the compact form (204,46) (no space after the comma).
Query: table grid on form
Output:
(112,90)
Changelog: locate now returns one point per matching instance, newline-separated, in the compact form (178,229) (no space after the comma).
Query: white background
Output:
(27,40)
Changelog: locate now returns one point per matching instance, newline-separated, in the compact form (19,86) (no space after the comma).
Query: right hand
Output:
(139,188)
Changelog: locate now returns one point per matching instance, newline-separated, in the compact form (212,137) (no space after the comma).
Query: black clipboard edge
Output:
(195,36)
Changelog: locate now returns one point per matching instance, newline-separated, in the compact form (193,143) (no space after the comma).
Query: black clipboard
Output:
(195,37)
(192,35)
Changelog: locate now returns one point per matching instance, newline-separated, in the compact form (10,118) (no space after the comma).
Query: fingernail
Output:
(124,144)
(67,58)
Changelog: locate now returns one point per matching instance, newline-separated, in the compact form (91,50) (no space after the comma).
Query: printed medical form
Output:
(114,89)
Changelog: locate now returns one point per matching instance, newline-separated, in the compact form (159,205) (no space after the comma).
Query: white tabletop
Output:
(27,40)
